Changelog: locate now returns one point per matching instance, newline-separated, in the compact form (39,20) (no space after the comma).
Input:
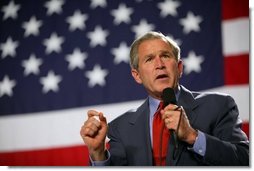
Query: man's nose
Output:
(159,63)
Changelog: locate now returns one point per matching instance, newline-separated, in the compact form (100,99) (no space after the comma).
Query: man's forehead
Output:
(154,45)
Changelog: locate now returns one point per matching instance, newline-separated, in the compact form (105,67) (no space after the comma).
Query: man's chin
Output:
(164,86)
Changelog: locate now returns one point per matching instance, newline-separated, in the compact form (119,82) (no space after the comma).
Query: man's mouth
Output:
(162,76)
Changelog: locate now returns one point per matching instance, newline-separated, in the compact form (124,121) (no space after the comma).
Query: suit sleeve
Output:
(228,145)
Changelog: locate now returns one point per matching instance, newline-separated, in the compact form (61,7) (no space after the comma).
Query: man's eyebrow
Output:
(160,52)
(147,57)
(166,52)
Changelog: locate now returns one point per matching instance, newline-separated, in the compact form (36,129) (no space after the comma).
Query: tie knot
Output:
(161,105)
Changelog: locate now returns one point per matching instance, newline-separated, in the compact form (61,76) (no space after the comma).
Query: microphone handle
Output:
(173,133)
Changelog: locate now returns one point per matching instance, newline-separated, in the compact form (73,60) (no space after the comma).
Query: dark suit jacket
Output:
(214,114)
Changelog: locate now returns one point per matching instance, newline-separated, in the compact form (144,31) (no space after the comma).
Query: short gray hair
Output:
(150,36)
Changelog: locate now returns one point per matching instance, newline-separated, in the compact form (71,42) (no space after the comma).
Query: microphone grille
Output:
(168,96)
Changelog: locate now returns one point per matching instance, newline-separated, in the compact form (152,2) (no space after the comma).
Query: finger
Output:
(167,121)
(92,113)
(82,131)
(97,118)
(170,107)
(89,131)
(93,121)
(171,117)
(170,111)
(102,118)
(169,124)
(95,126)
(86,132)
(177,108)
(168,114)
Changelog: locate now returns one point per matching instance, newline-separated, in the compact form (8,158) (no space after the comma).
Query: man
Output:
(203,129)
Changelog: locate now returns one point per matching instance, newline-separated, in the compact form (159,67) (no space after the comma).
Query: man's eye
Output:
(148,59)
(166,56)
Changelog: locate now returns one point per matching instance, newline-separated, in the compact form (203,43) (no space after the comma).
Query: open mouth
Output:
(162,76)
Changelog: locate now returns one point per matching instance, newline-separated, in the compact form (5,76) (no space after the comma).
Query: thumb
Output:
(102,119)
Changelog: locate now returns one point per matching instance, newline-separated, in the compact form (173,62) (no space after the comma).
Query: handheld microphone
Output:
(168,97)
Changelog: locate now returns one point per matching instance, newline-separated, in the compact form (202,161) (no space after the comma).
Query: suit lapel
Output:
(141,120)
(187,101)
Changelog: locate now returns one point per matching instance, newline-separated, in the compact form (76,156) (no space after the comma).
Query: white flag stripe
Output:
(235,36)
(51,129)
(61,128)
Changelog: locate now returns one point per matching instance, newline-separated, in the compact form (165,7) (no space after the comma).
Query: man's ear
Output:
(136,76)
(180,68)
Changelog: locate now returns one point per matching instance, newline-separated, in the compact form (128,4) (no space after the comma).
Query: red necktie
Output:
(160,139)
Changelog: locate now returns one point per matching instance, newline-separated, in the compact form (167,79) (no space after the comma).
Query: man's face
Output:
(158,68)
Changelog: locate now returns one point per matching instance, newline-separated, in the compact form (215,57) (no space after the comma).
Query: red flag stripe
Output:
(235,74)
(65,156)
(234,9)
(245,128)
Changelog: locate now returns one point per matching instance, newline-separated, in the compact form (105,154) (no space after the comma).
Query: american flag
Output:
(59,58)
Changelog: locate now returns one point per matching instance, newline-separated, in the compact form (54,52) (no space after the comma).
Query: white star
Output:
(121,53)
(142,28)
(191,23)
(50,82)
(77,21)
(32,26)
(96,76)
(10,10)
(76,59)
(168,7)
(192,63)
(96,3)
(31,65)
(98,36)
(6,86)
(9,48)
(122,14)
(54,6)
(53,43)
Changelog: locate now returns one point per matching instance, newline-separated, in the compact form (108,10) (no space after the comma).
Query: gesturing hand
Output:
(93,133)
